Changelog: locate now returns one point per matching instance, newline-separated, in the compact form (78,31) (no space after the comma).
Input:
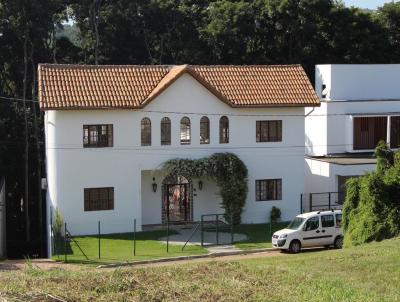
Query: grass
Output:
(119,248)
(258,235)
(366,273)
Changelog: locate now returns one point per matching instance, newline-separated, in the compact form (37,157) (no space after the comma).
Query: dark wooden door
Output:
(177,203)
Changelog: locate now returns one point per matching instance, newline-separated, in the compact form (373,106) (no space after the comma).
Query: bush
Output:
(58,224)
(371,211)
(275,214)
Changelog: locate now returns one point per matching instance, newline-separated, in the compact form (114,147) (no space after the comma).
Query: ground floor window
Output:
(99,199)
(268,189)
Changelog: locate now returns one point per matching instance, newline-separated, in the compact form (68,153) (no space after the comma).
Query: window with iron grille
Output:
(97,136)
(269,131)
(268,189)
(145,127)
(204,130)
(223,130)
(99,199)
(185,131)
(165,131)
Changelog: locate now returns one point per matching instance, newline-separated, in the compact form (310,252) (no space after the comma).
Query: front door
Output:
(176,202)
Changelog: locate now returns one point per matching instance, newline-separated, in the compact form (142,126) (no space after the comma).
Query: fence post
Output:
(329,200)
(168,235)
(231,228)
(270,224)
(301,203)
(65,242)
(310,200)
(134,237)
(216,226)
(201,226)
(98,225)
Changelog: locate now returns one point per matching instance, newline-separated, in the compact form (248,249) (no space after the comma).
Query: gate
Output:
(216,223)
(326,201)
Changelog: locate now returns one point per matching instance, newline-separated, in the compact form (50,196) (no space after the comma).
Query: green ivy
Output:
(226,169)
(372,207)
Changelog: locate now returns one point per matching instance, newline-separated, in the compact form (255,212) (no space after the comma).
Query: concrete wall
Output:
(71,168)
(352,90)
(359,81)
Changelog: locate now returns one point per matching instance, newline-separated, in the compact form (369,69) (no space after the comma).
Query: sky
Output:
(371,4)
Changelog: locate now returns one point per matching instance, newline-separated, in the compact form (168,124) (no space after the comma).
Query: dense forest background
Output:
(308,32)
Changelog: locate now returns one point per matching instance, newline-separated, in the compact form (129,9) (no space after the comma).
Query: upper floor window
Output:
(204,130)
(95,136)
(165,131)
(223,130)
(98,199)
(185,131)
(395,132)
(268,189)
(269,131)
(145,127)
(368,131)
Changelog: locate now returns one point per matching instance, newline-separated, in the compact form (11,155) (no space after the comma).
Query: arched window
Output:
(185,131)
(145,126)
(223,130)
(204,130)
(165,131)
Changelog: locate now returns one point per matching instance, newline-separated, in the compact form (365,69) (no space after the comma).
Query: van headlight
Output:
(283,236)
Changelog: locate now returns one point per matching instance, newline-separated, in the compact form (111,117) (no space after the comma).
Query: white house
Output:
(360,105)
(110,128)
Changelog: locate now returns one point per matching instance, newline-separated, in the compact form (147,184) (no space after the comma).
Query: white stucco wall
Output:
(71,168)
(321,176)
(352,90)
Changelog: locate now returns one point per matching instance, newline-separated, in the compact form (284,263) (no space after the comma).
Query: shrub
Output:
(58,224)
(275,214)
(371,211)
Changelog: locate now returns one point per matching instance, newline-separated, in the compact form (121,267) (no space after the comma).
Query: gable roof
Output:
(134,86)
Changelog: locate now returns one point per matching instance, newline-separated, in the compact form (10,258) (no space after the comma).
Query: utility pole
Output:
(26,155)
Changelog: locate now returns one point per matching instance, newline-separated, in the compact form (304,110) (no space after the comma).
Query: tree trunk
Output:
(38,149)
(26,155)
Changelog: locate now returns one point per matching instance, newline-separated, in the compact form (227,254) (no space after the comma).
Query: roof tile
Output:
(96,87)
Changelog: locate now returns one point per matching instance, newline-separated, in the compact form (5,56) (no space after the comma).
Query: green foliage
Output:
(275,214)
(226,169)
(372,208)
(58,224)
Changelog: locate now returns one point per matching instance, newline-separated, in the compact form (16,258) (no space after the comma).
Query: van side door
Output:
(311,233)
(328,229)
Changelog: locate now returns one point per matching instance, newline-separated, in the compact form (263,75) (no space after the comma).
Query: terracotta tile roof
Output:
(105,86)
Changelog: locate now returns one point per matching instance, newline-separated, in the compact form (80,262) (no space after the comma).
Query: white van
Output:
(312,229)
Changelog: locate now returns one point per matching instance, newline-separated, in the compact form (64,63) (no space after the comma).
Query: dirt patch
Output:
(44,264)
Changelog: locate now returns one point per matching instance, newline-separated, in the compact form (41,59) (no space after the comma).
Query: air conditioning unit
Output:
(44,183)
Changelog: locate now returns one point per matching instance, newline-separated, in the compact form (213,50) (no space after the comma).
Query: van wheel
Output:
(295,247)
(338,242)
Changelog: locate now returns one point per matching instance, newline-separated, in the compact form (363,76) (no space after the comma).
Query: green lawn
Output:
(366,273)
(119,248)
(258,234)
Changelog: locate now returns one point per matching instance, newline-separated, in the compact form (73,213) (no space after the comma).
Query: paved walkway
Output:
(209,239)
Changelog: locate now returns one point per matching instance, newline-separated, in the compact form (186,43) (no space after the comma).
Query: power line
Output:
(216,114)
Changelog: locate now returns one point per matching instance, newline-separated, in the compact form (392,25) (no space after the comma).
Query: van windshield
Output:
(296,223)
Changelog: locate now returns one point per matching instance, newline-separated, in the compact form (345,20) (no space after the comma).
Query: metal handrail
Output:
(191,235)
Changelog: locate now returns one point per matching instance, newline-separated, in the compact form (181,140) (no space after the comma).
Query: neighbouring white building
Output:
(360,105)
(110,128)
